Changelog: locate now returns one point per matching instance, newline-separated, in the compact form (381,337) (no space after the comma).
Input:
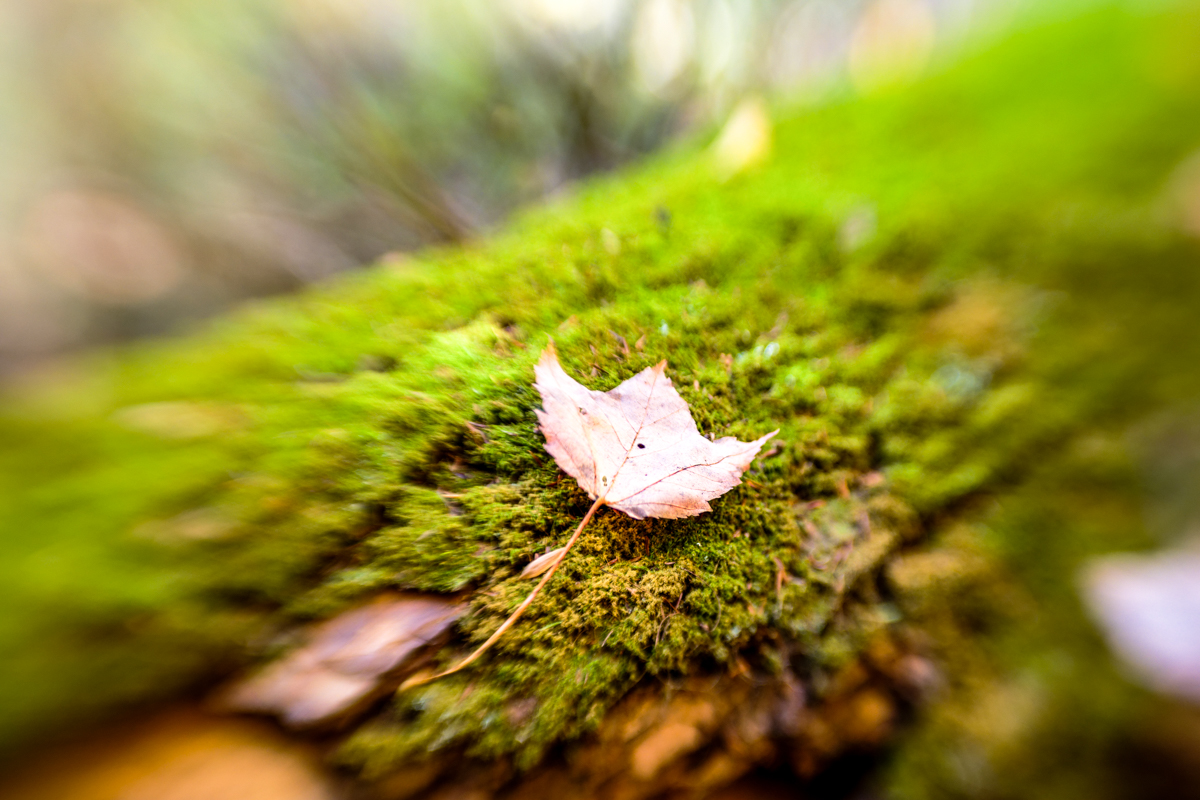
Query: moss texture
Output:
(952,299)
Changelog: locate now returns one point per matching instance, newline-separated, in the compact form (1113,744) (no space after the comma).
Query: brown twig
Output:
(779,584)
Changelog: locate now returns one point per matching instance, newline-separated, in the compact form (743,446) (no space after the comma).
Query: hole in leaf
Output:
(641,446)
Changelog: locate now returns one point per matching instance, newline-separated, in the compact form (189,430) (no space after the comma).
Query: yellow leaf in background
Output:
(745,141)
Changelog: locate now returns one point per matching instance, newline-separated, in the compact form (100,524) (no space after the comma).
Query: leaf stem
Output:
(417,680)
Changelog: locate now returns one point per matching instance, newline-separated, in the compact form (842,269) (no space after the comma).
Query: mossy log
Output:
(953,298)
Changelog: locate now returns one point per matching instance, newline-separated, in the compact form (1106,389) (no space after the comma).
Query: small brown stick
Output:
(779,584)
(417,680)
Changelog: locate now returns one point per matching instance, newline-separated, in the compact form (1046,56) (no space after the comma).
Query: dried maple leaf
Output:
(635,448)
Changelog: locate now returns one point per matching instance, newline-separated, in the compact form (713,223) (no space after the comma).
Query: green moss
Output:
(172,503)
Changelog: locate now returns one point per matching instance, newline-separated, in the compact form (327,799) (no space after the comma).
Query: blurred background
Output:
(162,161)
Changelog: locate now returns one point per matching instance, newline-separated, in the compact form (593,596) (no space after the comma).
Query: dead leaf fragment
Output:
(542,563)
(345,661)
(1148,607)
(179,754)
(636,447)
